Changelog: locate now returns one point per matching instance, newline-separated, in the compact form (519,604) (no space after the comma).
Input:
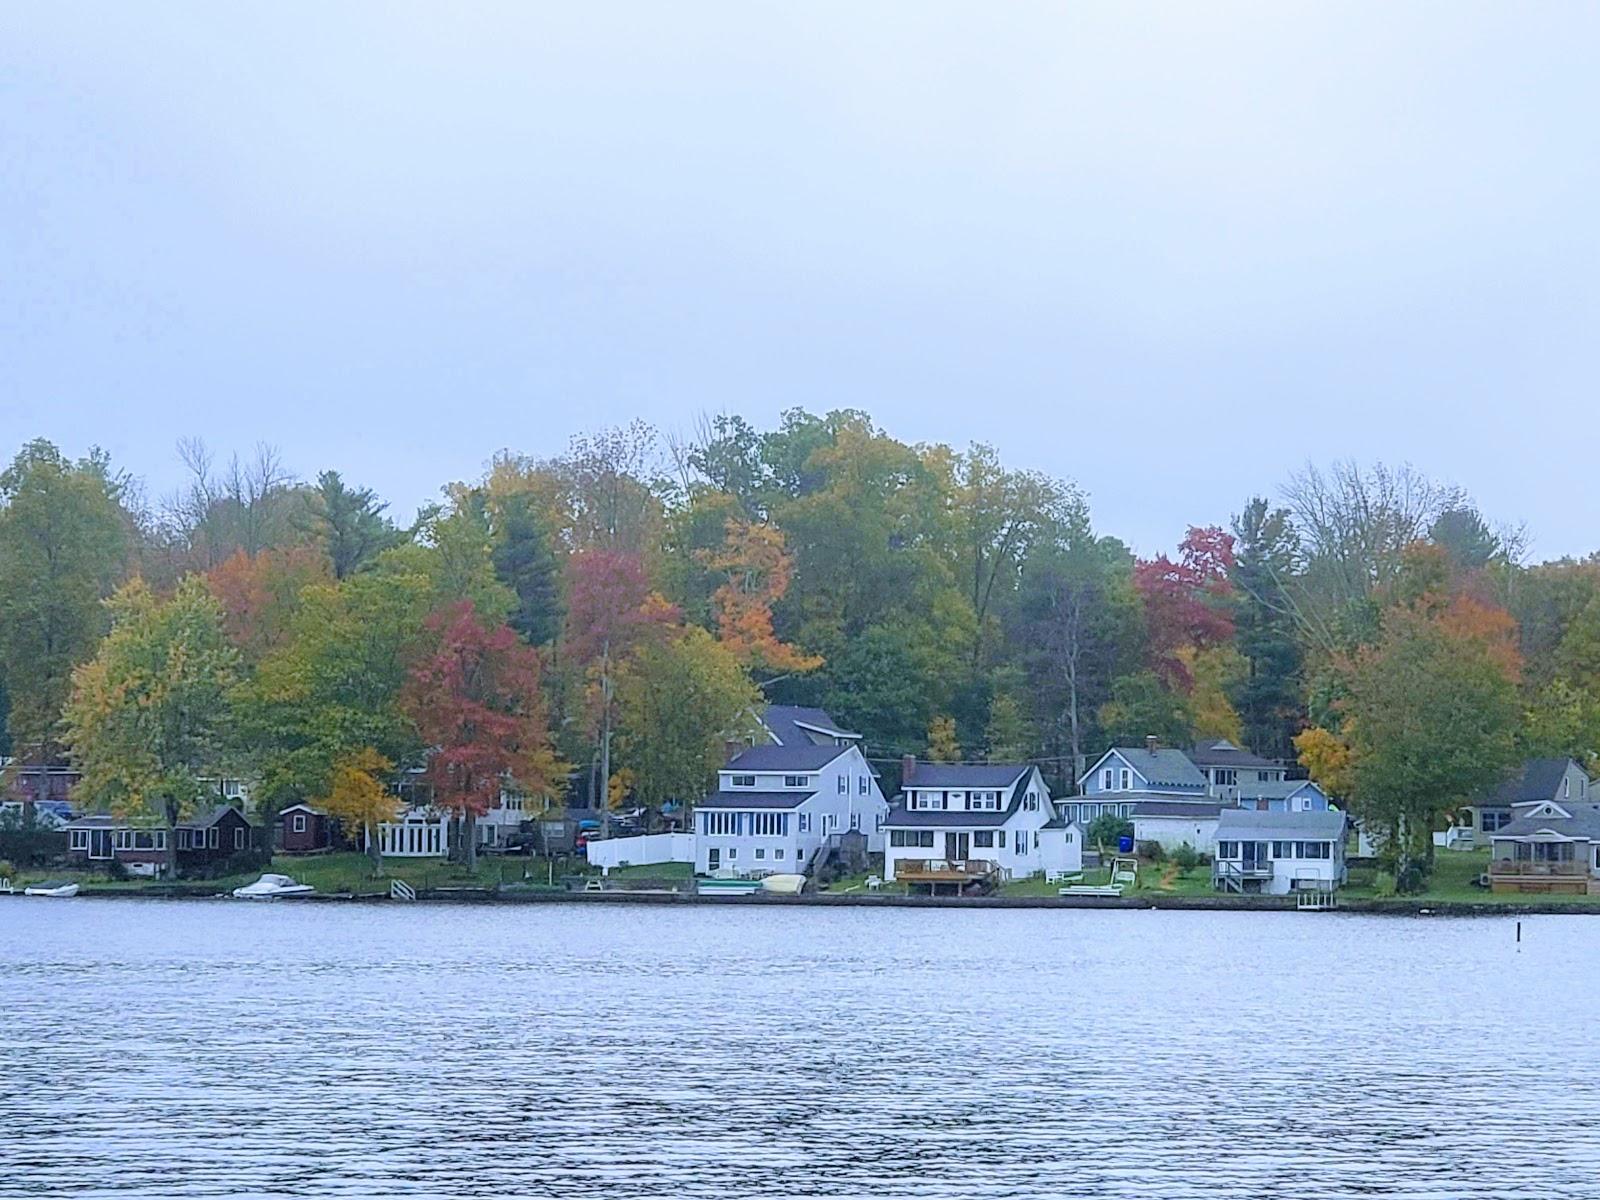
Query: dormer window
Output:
(1125,780)
(748,781)
(1566,787)
(1105,780)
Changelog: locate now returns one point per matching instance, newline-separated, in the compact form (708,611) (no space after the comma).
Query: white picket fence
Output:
(649,850)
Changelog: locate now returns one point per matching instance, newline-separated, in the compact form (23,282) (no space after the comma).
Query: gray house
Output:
(1548,847)
(1536,781)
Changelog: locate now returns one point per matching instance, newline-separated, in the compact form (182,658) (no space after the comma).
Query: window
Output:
(1227,849)
(1035,839)
(760,852)
(299,822)
(719,824)
(183,839)
(766,824)
(805,822)
(80,839)
(1280,850)
(743,781)
(1566,787)
(238,839)
(1032,802)
(1225,777)
(733,852)
(983,839)
(844,785)
(1494,820)
(855,819)
(778,853)
(1019,841)
(1105,780)
(925,839)
(1125,779)
(861,785)
(797,781)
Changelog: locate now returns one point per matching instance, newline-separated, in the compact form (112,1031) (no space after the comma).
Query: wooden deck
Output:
(1541,878)
(955,875)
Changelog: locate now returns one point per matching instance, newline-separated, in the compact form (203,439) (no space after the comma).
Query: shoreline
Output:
(1397,907)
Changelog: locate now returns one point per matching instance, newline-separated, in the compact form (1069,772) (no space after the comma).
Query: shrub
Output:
(1186,857)
(1105,829)
(1152,851)
(7,870)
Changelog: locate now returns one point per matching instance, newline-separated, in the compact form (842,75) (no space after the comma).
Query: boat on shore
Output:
(56,889)
(272,887)
(727,887)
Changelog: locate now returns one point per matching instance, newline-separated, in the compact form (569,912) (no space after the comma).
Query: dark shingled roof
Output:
(754,799)
(784,720)
(1178,808)
(1220,752)
(1248,823)
(784,758)
(1583,823)
(1539,779)
(959,777)
(1162,768)
(901,817)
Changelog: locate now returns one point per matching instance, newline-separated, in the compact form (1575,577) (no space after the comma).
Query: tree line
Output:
(595,625)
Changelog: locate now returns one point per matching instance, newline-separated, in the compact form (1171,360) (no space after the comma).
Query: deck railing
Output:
(1531,867)
(906,868)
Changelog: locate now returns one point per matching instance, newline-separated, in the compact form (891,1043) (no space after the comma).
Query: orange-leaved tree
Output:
(757,570)
(359,798)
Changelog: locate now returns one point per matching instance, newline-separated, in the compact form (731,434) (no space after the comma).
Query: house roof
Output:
(804,757)
(1190,809)
(1538,779)
(1584,823)
(1248,822)
(1220,752)
(1160,768)
(1277,790)
(305,808)
(753,799)
(901,817)
(107,821)
(789,724)
(960,777)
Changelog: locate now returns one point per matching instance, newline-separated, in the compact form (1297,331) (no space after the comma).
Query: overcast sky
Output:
(1171,251)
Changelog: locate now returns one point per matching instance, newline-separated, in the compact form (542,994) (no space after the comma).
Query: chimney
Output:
(1152,743)
(908,768)
(730,748)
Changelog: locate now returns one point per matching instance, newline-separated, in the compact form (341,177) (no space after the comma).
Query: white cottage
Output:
(983,823)
(1172,824)
(1275,853)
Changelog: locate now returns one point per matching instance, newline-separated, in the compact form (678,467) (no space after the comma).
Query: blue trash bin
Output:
(1124,845)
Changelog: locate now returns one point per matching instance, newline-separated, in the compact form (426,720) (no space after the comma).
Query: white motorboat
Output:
(58,888)
(270,887)
(784,885)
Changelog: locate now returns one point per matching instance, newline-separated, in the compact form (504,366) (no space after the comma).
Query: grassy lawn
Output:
(673,872)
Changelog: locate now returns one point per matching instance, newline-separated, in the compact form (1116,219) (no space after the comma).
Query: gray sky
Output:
(1171,251)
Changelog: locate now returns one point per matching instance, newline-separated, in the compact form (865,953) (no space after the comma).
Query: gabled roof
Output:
(1191,809)
(754,799)
(108,821)
(1160,768)
(1252,823)
(1220,752)
(790,723)
(1583,824)
(785,758)
(961,776)
(1537,779)
(1277,790)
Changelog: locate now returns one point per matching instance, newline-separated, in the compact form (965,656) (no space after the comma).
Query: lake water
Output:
(161,1049)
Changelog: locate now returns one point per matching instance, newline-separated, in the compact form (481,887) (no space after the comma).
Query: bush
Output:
(7,870)
(1152,851)
(115,870)
(1186,857)
(1105,829)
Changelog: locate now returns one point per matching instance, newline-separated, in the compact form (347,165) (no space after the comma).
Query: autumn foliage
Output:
(756,570)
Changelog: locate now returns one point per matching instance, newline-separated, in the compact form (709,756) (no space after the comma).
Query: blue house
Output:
(1288,795)
(1124,777)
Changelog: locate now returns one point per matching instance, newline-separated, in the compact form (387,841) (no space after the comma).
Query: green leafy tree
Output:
(149,713)
(678,700)
(64,544)
(1433,721)
(1141,706)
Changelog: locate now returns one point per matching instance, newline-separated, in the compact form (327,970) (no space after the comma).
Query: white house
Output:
(1550,846)
(1171,824)
(778,805)
(1275,853)
(422,830)
(992,820)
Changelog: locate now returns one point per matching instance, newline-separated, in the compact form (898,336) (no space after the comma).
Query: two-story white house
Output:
(1230,770)
(1124,776)
(987,822)
(778,805)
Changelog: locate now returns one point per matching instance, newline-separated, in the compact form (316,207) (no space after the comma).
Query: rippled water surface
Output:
(160,1049)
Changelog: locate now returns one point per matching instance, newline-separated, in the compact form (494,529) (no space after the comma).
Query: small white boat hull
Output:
(64,892)
(272,887)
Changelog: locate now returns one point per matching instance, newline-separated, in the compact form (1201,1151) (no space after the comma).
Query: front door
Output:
(99,843)
(1254,854)
(714,858)
(957,846)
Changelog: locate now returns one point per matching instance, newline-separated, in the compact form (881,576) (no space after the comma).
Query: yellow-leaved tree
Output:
(358,798)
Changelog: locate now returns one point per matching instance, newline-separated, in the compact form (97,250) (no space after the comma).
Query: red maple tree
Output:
(1185,601)
(477,703)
